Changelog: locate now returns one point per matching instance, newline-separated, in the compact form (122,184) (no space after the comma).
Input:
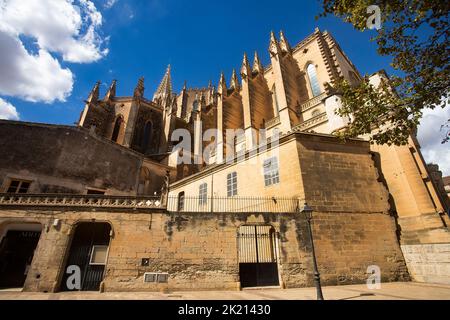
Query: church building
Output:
(203,189)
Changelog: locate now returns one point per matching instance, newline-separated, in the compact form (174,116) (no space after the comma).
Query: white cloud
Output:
(31,77)
(110,3)
(63,28)
(8,111)
(430,137)
(67,27)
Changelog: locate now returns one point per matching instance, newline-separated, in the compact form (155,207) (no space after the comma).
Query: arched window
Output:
(117,129)
(313,81)
(147,138)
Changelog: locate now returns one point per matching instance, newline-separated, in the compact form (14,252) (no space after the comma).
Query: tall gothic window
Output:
(313,81)
(147,138)
(117,129)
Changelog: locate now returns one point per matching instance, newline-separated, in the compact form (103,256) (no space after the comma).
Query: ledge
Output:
(79,201)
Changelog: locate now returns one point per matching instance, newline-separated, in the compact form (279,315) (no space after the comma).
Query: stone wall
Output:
(428,262)
(423,226)
(65,159)
(200,251)
(338,176)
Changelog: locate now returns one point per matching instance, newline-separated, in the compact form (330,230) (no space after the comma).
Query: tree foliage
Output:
(416,35)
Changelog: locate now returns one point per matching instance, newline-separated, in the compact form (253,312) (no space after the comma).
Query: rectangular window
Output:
(232,184)
(99,255)
(271,174)
(93,191)
(203,194)
(18,186)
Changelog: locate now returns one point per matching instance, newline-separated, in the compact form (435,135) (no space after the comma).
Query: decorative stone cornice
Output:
(79,201)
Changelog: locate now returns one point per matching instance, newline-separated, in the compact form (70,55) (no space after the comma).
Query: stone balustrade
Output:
(311,122)
(272,122)
(80,201)
(311,103)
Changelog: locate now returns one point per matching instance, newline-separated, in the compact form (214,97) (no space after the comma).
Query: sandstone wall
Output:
(65,159)
(200,251)
(428,262)
(423,226)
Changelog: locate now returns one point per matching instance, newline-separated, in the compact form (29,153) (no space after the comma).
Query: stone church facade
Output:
(113,200)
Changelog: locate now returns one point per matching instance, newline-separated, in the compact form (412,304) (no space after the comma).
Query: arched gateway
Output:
(18,241)
(89,253)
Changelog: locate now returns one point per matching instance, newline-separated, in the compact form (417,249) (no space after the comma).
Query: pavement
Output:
(388,291)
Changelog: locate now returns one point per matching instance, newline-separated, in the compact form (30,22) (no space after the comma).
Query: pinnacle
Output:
(165,87)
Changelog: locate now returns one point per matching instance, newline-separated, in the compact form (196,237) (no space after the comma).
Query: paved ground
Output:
(388,291)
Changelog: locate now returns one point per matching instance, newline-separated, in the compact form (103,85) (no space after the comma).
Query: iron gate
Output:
(16,254)
(87,237)
(257,256)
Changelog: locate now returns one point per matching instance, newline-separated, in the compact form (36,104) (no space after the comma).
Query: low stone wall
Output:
(428,262)
(200,250)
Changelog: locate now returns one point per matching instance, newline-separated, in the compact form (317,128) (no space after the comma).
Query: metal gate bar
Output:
(256,244)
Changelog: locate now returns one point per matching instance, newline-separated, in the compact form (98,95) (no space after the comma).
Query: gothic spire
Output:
(222,85)
(234,84)
(274,47)
(245,69)
(165,87)
(257,66)
(93,96)
(139,90)
(111,91)
(284,44)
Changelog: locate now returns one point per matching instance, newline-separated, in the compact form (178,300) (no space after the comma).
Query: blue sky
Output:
(68,45)
(199,39)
